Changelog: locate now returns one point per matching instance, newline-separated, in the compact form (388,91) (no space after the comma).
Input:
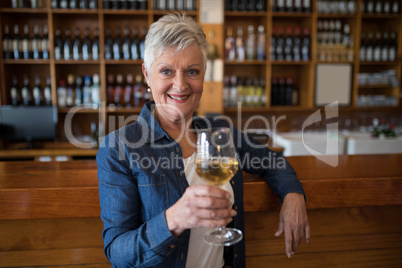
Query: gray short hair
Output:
(173,30)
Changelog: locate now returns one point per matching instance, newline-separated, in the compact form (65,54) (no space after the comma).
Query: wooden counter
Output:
(49,214)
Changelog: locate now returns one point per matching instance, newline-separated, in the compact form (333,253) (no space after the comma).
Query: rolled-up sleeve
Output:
(128,241)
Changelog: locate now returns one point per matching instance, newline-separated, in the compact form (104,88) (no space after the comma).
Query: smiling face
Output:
(176,80)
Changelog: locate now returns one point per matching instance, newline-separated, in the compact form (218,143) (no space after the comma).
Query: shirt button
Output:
(235,255)
(172,246)
(181,173)
(182,256)
(232,182)
(177,150)
(235,207)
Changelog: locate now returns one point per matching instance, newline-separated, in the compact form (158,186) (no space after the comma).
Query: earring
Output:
(149,90)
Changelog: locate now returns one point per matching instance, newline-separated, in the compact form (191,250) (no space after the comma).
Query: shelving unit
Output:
(59,69)
(303,71)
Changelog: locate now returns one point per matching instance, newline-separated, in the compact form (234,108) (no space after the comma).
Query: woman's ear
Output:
(146,75)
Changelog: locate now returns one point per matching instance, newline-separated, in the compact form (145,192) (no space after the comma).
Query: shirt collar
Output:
(151,128)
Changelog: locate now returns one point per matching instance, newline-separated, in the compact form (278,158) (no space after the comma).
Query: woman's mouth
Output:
(178,97)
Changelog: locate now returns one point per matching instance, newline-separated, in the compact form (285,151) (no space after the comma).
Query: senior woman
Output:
(153,205)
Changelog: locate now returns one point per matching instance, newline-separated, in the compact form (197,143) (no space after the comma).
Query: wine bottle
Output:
(261,43)
(95,45)
(288,45)
(78,91)
(15,92)
(36,54)
(240,51)
(108,44)
(77,48)
(296,44)
(73,4)
(55,4)
(135,45)
(58,45)
(306,45)
(377,47)
(7,46)
(47,92)
(384,47)
(289,5)
(362,51)
(118,90)
(280,43)
(95,91)
(142,4)
(280,5)
(67,45)
(274,91)
(86,46)
(306,6)
(392,50)
(26,93)
(110,89)
(117,44)
(26,44)
(87,91)
(230,49)
(123,4)
(126,44)
(250,43)
(138,92)
(70,90)
(83,4)
(395,7)
(44,44)
(16,44)
(37,92)
(263,93)
(63,4)
(93,4)
(298,6)
(127,96)
(369,47)
(288,91)
(272,47)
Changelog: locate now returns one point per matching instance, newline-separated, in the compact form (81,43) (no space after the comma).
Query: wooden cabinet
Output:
(304,72)
(100,20)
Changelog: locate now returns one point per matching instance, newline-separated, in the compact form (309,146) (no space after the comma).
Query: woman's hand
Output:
(293,222)
(200,206)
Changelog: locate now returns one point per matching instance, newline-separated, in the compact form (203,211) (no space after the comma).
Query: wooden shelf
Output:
(292,14)
(29,61)
(246,62)
(124,61)
(74,11)
(246,13)
(77,62)
(24,10)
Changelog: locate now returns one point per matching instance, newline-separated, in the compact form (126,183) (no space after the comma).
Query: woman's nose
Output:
(179,82)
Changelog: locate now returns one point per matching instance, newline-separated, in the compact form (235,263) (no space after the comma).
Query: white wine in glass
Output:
(216,163)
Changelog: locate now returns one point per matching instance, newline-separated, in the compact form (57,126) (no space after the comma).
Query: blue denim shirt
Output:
(141,174)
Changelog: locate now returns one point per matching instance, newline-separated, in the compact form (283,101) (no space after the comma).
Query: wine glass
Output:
(216,163)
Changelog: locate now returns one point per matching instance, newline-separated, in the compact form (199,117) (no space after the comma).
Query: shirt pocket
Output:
(154,195)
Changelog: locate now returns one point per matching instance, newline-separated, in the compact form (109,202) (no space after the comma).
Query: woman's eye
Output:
(165,72)
(193,72)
